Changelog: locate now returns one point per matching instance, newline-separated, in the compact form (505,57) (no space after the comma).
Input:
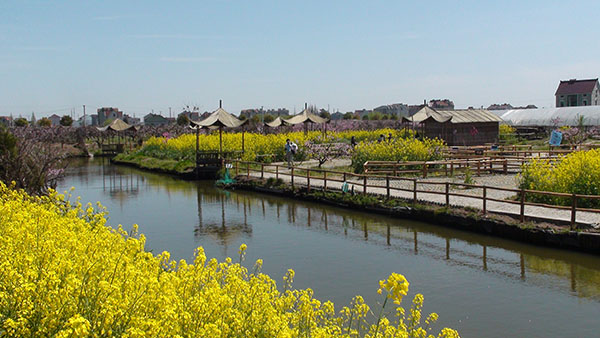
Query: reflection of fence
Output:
(498,257)
(382,185)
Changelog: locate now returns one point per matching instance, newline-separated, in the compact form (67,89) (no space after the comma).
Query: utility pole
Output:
(84,115)
(170,112)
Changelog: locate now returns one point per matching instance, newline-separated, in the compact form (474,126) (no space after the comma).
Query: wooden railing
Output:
(112,148)
(310,176)
(515,150)
(493,164)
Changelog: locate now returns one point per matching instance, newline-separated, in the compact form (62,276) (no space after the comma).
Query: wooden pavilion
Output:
(115,129)
(209,162)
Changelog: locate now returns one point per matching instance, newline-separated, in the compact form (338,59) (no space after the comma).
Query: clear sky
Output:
(151,55)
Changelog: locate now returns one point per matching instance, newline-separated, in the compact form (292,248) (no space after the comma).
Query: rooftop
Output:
(575,86)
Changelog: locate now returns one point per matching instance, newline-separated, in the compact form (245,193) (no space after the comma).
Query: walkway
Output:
(504,181)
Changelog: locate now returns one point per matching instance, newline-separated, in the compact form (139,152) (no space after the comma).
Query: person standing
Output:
(289,153)
(353,142)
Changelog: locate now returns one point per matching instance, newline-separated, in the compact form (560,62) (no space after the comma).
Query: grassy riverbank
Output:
(155,164)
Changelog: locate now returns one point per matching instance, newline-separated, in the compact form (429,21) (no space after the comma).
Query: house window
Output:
(562,103)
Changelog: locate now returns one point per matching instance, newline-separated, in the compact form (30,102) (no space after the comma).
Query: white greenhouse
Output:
(550,117)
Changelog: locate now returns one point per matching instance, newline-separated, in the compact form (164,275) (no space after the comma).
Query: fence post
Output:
(307,179)
(248,169)
(505,166)
(415,191)
(522,215)
(325,180)
(452,168)
(387,185)
(364,184)
(277,171)
(237,163)
(484,199)
(447,194)
(292,179)
(262,171)
(344,177)
(573,210)
(424,169)
(478,168)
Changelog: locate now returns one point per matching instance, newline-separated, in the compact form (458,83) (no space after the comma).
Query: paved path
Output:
(503,181)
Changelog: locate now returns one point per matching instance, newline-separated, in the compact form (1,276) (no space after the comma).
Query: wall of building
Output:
(462,134)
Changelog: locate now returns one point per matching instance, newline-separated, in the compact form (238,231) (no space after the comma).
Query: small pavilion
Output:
(209,161)
(304,117)
(116,128)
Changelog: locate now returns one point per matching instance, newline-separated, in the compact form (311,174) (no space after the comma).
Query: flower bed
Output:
(401,149)
(66,274)
(575,173)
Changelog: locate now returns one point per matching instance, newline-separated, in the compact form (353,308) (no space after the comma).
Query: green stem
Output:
(379,318)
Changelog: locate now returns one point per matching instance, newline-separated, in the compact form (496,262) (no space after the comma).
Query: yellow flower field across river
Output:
(66,274)
(183,147)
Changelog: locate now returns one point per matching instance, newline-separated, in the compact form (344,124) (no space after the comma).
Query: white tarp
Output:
(549,117)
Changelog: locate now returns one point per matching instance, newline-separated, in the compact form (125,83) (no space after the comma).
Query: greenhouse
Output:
(553,117)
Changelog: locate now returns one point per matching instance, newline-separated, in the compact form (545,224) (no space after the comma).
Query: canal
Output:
(481,286)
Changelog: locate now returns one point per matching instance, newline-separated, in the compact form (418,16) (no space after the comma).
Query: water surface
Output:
(479,285)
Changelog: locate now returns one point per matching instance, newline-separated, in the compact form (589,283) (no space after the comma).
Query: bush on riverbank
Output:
(575,173)
(31,163)
(400,149)
(66,274)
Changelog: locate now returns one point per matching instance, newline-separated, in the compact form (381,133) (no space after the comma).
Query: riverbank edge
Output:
(464,219)
(185,175)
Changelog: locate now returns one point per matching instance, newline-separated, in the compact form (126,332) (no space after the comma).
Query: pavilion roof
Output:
(219,118)
(117,125)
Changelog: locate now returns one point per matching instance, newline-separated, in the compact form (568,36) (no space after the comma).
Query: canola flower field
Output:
(66,274)
(183,148)
(400,149)
(575,173)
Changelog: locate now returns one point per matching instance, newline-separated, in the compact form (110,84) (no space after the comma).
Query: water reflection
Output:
(503,258)
(225,218)
(226,229)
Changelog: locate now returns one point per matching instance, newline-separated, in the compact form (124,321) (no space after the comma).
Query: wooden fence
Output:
(514,150)
(326,177)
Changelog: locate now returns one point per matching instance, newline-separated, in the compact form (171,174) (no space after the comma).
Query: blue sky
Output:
(150,55)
